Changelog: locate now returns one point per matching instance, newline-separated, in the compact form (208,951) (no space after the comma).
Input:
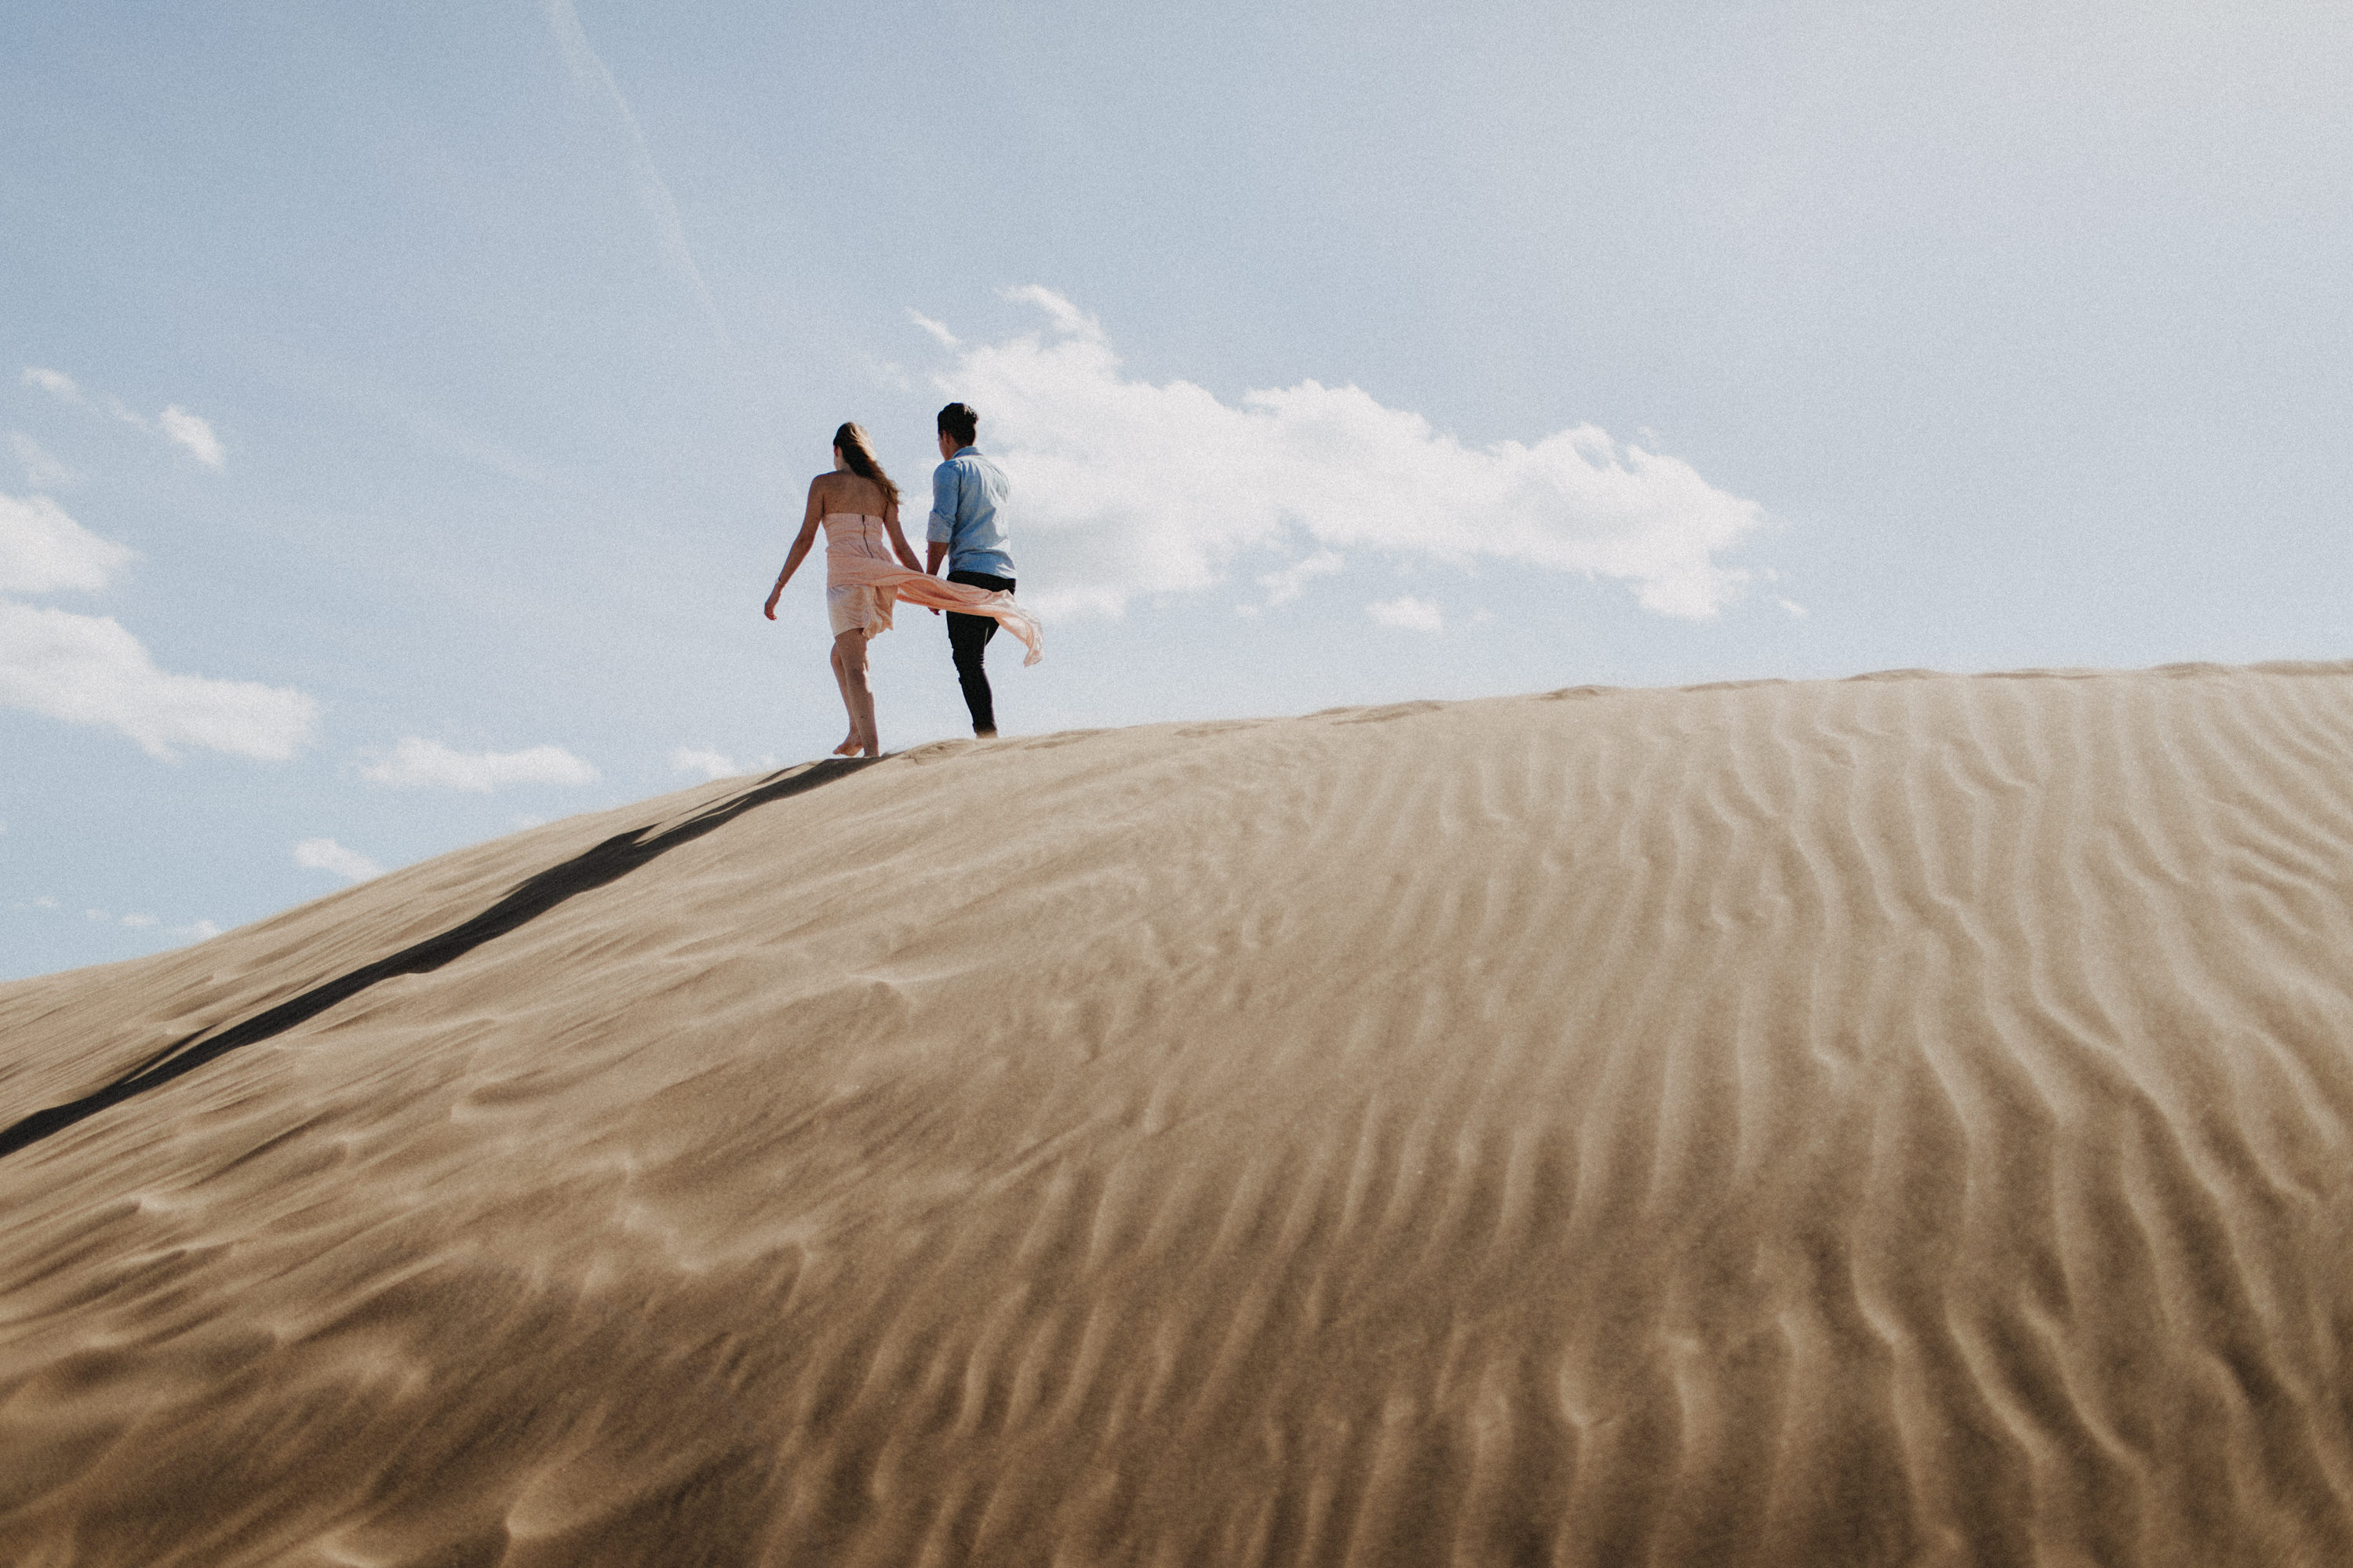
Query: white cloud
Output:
(55,383)
(948,340)
(415,762)
(1795,610)
(326,855)
(86,670)
(139,923)
(194,931)
(1408,613)
(194,435)
(42,550)
(174,423)
(1128,487)
(45,903)
(1068,319)
(710,764)
(1287,584)
(42,471)
(65,389)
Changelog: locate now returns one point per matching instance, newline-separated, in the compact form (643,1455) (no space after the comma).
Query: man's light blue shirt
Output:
(966,493)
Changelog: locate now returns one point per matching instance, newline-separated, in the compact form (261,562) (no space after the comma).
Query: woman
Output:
(859,507)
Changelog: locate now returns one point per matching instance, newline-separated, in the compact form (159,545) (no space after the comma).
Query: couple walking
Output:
(868,566)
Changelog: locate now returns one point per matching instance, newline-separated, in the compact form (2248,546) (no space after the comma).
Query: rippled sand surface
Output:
(1897,1120)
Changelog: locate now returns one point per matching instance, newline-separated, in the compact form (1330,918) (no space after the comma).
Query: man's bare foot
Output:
(848,748)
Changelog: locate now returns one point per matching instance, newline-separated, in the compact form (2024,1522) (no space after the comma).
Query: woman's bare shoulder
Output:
(836,492)
(847,492)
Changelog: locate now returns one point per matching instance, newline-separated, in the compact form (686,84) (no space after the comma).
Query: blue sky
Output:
(407,408)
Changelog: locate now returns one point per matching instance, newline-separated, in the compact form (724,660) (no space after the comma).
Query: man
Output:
(968,528)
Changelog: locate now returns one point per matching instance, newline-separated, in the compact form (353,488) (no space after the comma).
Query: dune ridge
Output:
(1894,1120)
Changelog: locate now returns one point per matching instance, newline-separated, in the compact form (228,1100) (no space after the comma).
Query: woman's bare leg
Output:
(850,648)
(848,746)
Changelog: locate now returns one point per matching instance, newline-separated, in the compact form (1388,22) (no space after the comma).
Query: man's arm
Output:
(947,496)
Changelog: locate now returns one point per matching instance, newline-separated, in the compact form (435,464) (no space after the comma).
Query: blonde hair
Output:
(859,453)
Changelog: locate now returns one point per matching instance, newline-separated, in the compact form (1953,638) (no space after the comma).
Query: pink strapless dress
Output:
(862,577)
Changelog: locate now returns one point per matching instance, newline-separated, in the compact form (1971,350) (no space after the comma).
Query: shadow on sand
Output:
(607,862)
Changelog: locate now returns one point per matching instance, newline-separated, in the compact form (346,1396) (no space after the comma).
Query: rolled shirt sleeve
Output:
(945,499)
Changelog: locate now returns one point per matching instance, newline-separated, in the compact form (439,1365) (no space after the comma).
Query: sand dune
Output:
(1898,1120)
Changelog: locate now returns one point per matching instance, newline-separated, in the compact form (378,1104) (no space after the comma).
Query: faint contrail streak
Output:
(589,73)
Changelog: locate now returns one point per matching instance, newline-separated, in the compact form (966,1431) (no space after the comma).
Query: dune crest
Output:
(1895,1121)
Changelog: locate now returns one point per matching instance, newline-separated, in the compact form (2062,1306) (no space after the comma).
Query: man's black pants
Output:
(967,636)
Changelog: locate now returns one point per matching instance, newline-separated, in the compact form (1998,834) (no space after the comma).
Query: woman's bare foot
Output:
(848,748)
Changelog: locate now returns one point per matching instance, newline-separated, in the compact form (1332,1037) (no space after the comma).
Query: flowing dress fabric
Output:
(857,557)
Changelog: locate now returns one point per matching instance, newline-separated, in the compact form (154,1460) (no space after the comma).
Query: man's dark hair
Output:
(957,419)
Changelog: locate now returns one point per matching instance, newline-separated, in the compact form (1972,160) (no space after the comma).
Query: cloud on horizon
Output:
(87,670)
(1408,613)
(326,855)
(1137,489)
(420,764)
(1287,584)
(711,764)
(194,931)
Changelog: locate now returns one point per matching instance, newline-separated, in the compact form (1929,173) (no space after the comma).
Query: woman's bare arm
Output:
(898,540)
(801,543)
